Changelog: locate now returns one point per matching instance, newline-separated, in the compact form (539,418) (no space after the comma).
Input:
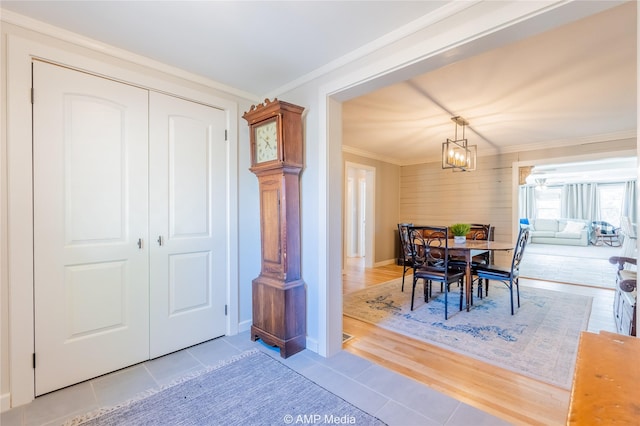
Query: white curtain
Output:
(580,201)
(527,196)
(630,201)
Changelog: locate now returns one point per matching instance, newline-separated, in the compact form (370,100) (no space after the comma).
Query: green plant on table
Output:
(460,229)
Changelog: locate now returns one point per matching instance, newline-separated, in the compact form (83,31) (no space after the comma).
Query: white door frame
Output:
(483,31)
(20,53)
(370,211)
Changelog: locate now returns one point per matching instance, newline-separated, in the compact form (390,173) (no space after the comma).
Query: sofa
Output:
(572,232)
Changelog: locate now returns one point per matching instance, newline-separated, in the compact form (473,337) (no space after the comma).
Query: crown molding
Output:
(607,137)
(371,155)
(107,49)
(448,10)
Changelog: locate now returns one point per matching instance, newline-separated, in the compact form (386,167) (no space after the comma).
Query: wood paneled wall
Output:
(430,195)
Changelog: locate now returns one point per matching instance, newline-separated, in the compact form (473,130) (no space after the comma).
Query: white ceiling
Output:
(570,85)
(255,46)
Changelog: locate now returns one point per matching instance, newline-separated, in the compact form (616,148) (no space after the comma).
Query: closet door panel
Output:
(90,210)
(188,180)
(189,177)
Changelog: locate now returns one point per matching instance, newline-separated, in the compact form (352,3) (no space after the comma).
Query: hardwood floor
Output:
(505,394)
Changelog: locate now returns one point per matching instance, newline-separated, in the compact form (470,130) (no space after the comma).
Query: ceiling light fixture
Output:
(541,183)
(456,153)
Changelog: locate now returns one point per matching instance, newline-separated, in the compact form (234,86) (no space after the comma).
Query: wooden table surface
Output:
(606,381)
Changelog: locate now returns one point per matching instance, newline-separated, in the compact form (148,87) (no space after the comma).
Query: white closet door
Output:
(90,209)
(188,217)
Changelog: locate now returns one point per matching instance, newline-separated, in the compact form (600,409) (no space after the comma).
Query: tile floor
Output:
(393,398)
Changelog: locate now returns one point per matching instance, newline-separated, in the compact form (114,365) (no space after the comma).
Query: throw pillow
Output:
(573,227)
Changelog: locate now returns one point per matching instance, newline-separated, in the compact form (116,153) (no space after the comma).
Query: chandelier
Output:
(456,154)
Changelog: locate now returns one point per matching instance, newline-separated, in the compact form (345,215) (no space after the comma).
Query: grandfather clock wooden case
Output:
(279,294)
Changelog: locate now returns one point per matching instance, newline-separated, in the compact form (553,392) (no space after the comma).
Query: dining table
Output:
(471,248)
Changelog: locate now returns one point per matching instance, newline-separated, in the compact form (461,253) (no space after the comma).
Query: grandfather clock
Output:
(278,293)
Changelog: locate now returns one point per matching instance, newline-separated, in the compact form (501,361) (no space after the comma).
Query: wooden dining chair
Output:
(509,276)
(430,255)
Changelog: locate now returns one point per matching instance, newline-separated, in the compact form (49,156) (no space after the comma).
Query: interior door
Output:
(188,206)
(90,226)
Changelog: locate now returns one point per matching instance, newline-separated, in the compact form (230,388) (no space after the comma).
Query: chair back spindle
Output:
(523,239)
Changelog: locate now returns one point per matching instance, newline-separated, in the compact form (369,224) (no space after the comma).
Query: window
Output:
(548,202)
(604,201)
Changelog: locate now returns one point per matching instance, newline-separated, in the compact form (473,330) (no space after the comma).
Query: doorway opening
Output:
(359,217)
(580,191)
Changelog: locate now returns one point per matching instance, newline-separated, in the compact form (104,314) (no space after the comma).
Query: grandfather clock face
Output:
(266,141)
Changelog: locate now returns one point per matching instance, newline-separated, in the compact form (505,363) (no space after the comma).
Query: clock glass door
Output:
(266,141)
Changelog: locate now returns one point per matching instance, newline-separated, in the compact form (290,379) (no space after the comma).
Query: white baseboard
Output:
(312,345)
(385,262)
(244,326)
(5,402)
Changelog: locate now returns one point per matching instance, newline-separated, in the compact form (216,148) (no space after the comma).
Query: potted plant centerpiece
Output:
(460,231)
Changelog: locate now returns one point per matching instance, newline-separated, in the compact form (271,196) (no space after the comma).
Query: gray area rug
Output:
(539,341)
(567,264)
(250,389)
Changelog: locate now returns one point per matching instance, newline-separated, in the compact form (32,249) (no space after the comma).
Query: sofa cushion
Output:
(564,234)
(546,225)
(544,234)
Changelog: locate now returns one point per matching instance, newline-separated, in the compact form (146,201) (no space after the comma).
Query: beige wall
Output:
(4,274)
(387,205)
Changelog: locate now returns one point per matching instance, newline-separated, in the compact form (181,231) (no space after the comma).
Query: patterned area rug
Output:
(250,389)
(539,341)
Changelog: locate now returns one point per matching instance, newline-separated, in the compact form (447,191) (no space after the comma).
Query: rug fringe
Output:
(79,420)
